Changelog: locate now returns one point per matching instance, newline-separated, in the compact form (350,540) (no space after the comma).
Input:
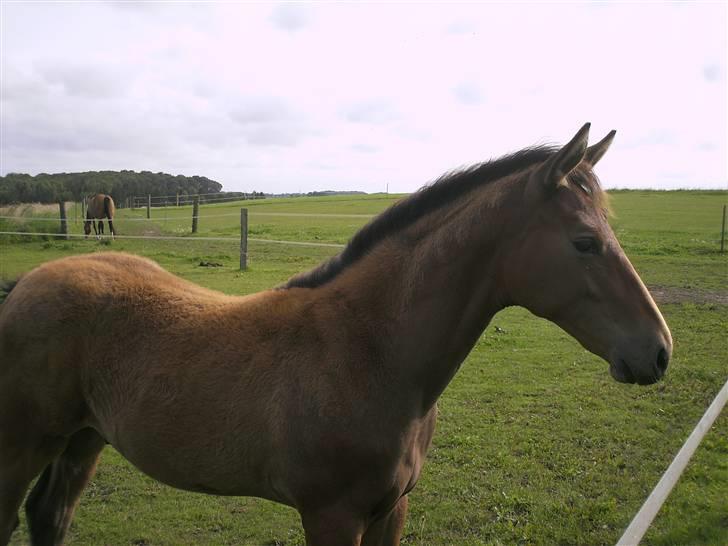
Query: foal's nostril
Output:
(662,360)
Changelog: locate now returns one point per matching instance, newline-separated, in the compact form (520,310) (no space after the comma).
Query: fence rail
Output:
(643,519)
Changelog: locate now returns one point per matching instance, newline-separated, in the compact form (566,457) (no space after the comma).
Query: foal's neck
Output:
(437,288)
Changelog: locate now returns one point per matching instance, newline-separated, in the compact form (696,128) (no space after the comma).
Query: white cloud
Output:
(375,111)
(291,17)
(89,81)
(469,93)
(712,72)
(261,110)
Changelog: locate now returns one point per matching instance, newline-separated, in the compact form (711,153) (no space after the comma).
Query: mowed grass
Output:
(535,443)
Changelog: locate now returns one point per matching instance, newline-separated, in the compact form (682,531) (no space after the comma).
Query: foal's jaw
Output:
(620,322)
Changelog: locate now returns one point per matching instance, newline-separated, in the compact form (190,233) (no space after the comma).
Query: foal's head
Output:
(569,267)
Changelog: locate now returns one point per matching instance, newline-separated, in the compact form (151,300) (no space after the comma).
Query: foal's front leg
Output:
(333,526)
(387,531)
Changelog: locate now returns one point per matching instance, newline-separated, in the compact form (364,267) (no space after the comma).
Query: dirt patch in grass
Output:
(673,294)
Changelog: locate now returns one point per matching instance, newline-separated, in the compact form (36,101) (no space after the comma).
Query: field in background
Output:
(535,443)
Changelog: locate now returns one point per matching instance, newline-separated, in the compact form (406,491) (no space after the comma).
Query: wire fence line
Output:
(309,199)
(186,195)
(178,218)
(243,240)
(80,235)
(223,195)
(187,201)
(182,201)
(173,238)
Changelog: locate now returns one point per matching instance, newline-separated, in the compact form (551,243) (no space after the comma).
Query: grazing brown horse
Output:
(99,206)
(320,394)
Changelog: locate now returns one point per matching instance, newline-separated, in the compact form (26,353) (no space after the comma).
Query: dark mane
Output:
(439,193)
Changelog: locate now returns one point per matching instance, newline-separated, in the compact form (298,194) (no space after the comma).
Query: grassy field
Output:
(535,443)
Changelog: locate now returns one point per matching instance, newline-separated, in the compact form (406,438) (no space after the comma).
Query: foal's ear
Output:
(565,160)
(594,153)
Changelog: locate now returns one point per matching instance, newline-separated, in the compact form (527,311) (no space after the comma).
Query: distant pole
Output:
(195,213)
(243,239)
(149,206)
(64,222)
(178,199)
(722,232)
(387,188)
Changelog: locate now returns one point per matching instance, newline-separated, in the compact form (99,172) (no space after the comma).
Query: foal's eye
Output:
(587,245)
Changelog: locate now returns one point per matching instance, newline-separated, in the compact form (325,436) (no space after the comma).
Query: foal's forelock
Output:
(585,181)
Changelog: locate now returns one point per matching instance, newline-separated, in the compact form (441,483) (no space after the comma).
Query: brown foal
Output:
(320,394)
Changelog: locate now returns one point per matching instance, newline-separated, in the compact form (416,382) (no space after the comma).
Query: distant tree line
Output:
(326,193)
(121,185)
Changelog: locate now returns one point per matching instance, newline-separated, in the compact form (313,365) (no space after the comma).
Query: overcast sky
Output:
(313,96)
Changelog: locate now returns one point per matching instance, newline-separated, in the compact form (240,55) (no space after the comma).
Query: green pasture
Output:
(535,444)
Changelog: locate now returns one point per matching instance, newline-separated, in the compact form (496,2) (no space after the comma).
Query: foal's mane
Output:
(443,191)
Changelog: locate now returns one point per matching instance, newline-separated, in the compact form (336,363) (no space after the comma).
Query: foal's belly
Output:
(188,448)
(197,469)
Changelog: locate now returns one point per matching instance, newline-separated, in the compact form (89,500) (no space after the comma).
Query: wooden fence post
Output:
(178,199)
(722,232)
(243,239)
(195,213)
(83,208)
(64,222)
(149,205)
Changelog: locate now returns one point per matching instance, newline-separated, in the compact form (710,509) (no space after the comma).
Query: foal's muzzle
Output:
(643,373)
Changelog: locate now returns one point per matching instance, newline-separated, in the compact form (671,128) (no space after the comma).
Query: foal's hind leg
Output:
(52,501)
(21,460)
